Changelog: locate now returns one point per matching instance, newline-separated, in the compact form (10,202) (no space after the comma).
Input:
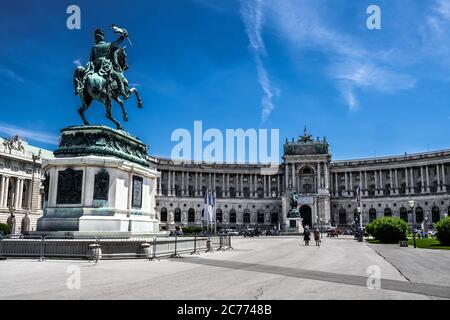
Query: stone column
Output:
(336,181)
(327,176)
(16,194)
(444,179)
(294,186)
(351,184)
(422,179)
(6,192)
(200,185)
(396,181)
(270,186)
(223,185)
(407,182)
(346,184)
(159,185)
(381,192)
(228,185)
(182,184)
(242,185)
(366,192)
(174,174)
(286,176)
(438,177)
(169,184)
(411,171)
(319,182)
(427,174)
(196,184)
(2,190)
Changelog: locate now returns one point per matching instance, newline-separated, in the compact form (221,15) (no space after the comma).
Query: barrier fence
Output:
(109,248)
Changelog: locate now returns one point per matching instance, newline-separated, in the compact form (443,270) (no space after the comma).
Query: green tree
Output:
(388,229)
(443,231)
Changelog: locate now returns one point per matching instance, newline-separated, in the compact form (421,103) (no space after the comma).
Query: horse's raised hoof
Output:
(140,104)
(125,117)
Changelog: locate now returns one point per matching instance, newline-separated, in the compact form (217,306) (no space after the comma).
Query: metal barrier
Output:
(108,248)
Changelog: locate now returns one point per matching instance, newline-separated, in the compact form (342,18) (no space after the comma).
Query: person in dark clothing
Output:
(306,236)
(317,237)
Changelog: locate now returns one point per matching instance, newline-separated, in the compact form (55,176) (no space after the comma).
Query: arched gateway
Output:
(306,214)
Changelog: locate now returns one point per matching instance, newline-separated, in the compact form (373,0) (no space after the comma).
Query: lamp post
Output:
(321,228)
(361,234)
(411,204)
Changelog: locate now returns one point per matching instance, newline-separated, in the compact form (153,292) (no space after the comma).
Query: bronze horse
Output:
(97,87)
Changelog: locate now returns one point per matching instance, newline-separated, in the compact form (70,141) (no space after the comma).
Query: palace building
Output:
(21,183)
(257,194)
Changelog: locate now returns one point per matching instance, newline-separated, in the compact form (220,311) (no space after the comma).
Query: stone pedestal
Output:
(100,182)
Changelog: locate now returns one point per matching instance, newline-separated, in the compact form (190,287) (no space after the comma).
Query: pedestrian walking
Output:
(317,236)
(306,236)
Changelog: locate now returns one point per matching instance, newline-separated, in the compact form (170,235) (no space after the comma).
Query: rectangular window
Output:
(136,202)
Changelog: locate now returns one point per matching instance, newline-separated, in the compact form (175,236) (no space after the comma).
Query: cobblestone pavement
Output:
(257,268)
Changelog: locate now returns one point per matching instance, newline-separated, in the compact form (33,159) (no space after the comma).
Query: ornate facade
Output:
(21,186)
(251,194)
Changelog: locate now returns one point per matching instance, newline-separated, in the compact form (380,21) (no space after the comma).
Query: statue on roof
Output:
(306,138)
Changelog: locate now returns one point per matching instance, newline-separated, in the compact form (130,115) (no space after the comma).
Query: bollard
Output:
(95,252)
(229,243)
(42,250)
(221,248)
(208,245)
(195,246)
(145,250)
(175,254)
(153,257)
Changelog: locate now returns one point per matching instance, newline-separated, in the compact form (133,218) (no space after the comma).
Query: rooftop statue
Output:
(103,77)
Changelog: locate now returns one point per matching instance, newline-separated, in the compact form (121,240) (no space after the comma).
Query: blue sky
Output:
(240,64)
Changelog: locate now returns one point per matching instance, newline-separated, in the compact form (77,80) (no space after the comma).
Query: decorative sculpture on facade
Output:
(14,143)
(294,202)
(103,78)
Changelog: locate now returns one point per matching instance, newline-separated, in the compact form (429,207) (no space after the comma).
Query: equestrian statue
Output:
(103,77)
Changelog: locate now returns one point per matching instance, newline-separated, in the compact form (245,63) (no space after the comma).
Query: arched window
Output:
(274,217)
(219,215)
(163,215)
(435,214)
(260,217)
(388,212)
(191,215)
(419,215)
(246,216)
(372,215)
(177,215)
(232,216)
(342,216)
(404,214)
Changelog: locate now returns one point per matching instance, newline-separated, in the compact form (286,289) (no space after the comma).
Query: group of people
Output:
(307,236)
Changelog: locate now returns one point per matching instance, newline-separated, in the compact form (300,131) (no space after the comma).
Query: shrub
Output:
(4,228)
(191,230)
(388,229)
(443,231)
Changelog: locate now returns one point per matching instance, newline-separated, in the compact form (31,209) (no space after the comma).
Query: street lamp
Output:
(411,204)
(361,234)
(321,228)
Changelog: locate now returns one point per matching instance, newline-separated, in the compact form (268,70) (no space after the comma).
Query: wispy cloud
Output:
(252,16)
(29,134)
(9,75)
(77,62)
(303,26)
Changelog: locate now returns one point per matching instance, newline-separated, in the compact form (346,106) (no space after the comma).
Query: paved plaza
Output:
(257,268)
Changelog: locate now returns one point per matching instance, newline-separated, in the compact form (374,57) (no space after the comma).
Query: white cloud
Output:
(10,75)
(29,134)
(77,62)
(253,18)
(303,26)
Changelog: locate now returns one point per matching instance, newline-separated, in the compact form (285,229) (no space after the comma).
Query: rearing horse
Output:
(96,87)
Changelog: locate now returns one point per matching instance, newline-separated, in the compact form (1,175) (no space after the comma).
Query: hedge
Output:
(388,229)
(443,231)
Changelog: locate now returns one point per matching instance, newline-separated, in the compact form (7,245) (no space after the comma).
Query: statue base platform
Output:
(99,182)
